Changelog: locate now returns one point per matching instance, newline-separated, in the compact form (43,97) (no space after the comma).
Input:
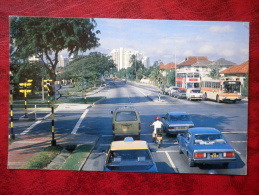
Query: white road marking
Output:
(239,141)
(234,132)
(28,129)
(171,162)
(79,122)
(167,151)
(237,152)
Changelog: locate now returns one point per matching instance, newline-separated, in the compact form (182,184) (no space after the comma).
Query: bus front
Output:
(231,90)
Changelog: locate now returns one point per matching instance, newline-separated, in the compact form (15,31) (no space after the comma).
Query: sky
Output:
(174,40)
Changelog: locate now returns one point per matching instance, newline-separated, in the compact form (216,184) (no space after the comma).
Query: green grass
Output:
(89,100)
(42,159)
(77,157)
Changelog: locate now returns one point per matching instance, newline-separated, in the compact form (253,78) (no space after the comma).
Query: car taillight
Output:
(170,127)
(113,127)
(159,135)
(191,126)
(229,154)
(200,155)
(139,126)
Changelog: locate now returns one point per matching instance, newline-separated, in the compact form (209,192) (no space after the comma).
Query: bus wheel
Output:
(205,96)
(217,99)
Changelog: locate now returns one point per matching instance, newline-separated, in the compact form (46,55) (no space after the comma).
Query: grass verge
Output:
(77,157)
(42,159)
(88,100)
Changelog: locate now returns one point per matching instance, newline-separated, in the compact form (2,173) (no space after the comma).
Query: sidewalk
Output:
(27,146)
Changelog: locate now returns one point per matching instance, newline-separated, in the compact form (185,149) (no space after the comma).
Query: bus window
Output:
(196,85)
(189,85)
(196,75)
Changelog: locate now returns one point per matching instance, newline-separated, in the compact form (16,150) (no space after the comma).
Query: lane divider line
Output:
(171,162)
(79,122)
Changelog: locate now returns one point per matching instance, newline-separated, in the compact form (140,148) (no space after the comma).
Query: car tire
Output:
(180,151)
(190,161)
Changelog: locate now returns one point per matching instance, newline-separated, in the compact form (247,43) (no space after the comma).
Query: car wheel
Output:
(190,161)
(180,151)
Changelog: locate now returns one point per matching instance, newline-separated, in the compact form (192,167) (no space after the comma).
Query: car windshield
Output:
(195,91)
(179,117)
(129,155)
(129,160)
(209,139)
(126,116)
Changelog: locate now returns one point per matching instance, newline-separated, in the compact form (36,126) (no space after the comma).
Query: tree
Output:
(136,65)
(171,77)
(214,73)
(90,67)
(45,38)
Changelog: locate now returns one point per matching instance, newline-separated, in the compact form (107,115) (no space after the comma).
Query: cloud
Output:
(206,49)
(221,29)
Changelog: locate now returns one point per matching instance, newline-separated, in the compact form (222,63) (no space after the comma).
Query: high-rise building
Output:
(63,61)
(122,56)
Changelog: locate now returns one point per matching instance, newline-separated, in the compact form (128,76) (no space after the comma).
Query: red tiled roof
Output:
(242,68)
(170,65)
(192,60)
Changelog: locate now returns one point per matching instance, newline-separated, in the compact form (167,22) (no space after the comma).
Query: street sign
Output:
(25,90)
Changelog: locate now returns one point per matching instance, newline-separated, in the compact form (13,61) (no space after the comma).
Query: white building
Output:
(63,61)
(121,57)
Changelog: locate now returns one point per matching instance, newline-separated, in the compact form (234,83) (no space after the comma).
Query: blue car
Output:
(176,122)
(204,145)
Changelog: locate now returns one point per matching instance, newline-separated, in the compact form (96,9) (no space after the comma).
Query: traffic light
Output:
(51,92)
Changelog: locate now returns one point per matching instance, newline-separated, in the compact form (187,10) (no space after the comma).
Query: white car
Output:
(172,90)
(194,94)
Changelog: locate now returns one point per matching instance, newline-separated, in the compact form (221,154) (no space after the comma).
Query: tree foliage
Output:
(90,67)
(45,38)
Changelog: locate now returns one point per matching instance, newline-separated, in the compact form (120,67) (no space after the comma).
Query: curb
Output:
(94,145)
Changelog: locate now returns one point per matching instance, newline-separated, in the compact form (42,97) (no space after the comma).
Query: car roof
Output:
(177,113)
(129,145)
(125,108)
(204,130)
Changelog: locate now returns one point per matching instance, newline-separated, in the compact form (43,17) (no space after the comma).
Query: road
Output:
(230,119)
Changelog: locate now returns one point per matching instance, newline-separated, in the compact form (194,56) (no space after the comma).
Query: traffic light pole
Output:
(12,136)
(53,141)
(25,104)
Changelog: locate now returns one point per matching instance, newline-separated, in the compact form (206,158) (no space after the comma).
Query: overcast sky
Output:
(165,39)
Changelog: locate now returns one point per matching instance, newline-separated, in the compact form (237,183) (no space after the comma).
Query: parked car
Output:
(203,145)
(176,122)
(126,122)
(180,93)
(194,94)
(172,90)
(130,156)
(166,89)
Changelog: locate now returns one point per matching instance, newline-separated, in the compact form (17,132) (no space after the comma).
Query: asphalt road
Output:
(230,119)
